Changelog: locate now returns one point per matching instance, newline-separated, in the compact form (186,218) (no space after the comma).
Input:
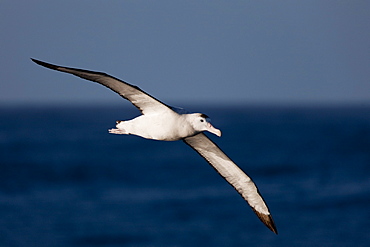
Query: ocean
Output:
(65,181)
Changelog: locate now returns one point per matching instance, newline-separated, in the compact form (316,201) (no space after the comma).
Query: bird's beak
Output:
(213,130)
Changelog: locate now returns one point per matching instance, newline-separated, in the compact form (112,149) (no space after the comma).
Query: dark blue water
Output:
(64,181)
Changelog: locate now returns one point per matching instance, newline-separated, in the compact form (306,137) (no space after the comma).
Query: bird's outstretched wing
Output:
(143,101)
(233,174)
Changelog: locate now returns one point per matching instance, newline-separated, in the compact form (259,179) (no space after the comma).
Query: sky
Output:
(203,52)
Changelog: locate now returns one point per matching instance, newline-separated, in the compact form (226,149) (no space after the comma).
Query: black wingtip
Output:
(271,225)
(47,65)
(267,220)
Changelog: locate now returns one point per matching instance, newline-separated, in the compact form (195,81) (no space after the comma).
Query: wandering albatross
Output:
(161,122)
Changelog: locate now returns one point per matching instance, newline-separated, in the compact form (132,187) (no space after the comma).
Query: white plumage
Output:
(161,122)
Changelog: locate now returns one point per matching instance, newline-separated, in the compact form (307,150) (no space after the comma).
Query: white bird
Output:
(161,122)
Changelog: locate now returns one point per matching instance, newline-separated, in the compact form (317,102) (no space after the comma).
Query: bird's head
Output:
(201,122)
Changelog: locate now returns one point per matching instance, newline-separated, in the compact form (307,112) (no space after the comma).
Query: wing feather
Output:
(143,101)
(233,174)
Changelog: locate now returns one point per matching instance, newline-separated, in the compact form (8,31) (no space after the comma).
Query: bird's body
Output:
(164,126)
(162,122)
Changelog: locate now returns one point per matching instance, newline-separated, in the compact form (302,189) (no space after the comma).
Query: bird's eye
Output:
(202,120)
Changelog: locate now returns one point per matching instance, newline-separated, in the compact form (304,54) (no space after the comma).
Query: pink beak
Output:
(213,130)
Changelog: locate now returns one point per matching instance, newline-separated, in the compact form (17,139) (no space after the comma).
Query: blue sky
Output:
(225,52)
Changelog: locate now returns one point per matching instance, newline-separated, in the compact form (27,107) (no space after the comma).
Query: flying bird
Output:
(162,122)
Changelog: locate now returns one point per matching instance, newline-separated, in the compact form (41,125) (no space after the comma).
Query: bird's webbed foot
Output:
(117,131)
